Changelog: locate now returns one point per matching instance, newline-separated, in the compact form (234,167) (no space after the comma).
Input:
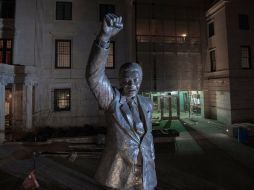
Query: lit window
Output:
(63,10)
(63,54)
(5,51)
(213,60)
(211,29)
(245,57)
(105,9)
(244,22)
(62,99)
(111,56)
(7,8)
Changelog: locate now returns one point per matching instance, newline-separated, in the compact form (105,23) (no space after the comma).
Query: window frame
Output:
(249,57)
(213,65)
(4,51)
(9,9)
(63,4)
(209,29)
(56,53)
(243,24)
(112,44)
(56,106)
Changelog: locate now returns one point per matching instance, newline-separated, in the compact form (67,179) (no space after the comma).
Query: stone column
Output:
(4,80)
(2,107)
(29,105)
(13,105)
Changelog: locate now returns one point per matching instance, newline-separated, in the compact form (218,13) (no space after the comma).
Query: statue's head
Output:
(130,78)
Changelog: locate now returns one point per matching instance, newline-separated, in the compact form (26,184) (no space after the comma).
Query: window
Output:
(211,2)
(111,56)
(213,60)
(105,9)
(63,54)
(245,57)
(244,22)
(7,8)
(62,99)
(63,10)
(211,29)
(5,51)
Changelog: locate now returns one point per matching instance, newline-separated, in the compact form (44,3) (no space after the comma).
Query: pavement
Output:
(203,157)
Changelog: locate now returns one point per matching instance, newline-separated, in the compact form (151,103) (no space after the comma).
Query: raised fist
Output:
(111,25)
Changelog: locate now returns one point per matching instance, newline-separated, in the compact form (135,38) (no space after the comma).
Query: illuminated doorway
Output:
(190,104)
(166,107)
(171,105)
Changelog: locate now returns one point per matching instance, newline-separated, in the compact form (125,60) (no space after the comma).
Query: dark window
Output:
(62,99)
(105,9)
(5,51)
(63,10)
(213,60)
(244,22)
(245,57)
(211,29)
(211,2)
(111,56)
(7,8)
(63,54)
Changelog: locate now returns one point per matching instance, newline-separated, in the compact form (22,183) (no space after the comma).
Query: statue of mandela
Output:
(127,162)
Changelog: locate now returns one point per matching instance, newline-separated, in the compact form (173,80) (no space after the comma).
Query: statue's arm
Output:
(96,77)
(95,70)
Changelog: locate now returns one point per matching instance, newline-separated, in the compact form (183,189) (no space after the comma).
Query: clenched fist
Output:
(112,24)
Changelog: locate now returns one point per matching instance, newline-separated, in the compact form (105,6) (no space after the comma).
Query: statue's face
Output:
(130,83)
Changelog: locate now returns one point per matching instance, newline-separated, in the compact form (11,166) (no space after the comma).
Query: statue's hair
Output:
(130,66)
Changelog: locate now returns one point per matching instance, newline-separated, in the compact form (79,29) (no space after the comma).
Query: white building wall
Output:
(217,84)
(241,80)
(36,30)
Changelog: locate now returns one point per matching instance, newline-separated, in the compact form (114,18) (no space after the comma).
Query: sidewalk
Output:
(16,162)
(216,133)
(205,158)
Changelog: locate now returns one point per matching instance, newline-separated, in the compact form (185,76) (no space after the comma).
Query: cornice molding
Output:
(6,79)
(216,7)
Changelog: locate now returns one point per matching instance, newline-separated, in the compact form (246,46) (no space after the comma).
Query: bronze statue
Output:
(128,158)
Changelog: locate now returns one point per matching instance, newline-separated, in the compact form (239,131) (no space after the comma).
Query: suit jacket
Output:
(123,144)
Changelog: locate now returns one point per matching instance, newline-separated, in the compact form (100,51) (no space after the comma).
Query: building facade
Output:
(229,74)
(171,44)
(43,71)
(195,58)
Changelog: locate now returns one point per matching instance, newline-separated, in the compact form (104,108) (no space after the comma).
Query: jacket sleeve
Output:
(150,120)
(96,77)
